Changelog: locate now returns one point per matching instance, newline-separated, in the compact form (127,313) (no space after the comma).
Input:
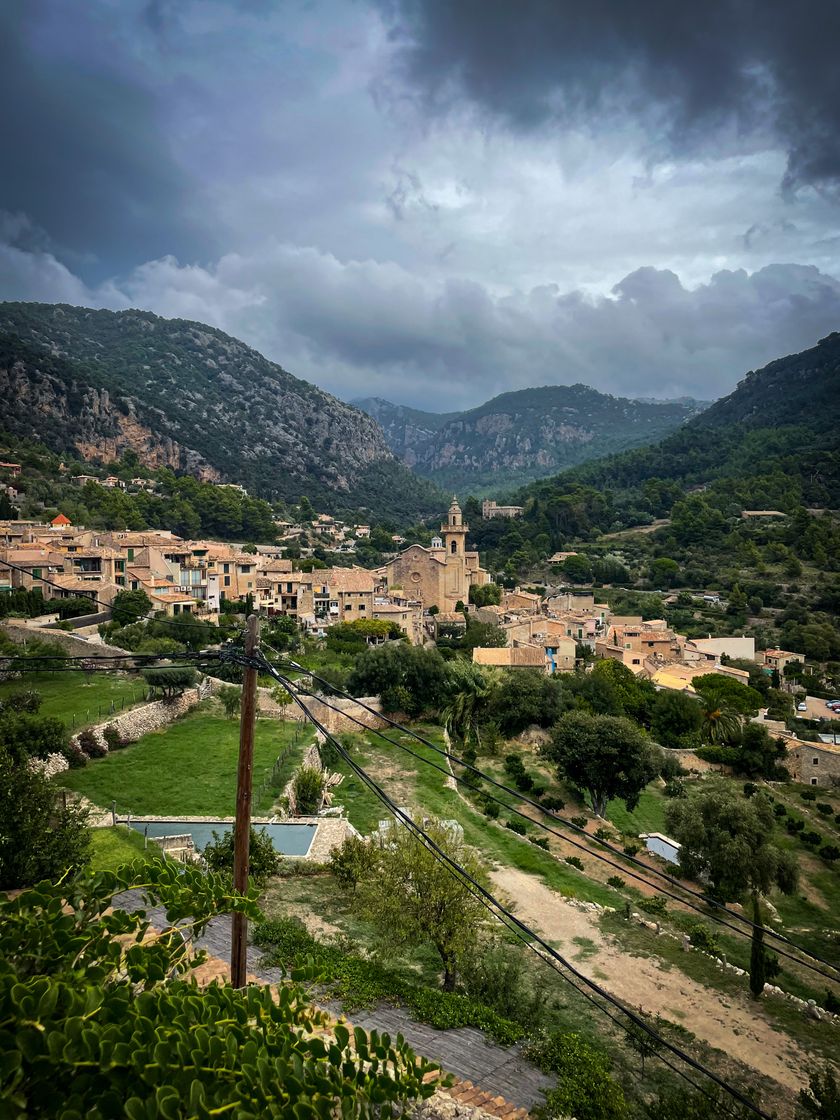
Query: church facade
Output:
(439,576)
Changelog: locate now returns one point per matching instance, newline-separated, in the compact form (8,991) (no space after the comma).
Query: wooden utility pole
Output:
(244,781)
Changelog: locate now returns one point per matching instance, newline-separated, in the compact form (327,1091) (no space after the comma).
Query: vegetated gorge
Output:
(522,435)
(188,396)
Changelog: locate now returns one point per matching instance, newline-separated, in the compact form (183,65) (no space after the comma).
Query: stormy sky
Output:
(436,200)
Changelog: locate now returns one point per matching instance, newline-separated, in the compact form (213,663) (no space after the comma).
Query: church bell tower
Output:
(454,532)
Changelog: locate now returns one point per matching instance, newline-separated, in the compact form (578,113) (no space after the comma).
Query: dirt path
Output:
(720,1020)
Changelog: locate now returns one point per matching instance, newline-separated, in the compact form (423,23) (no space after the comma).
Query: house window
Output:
(636,661)
(131,554)
(454,547)
(36,573)
(815,761)
(227,581)
(361,606)
(813,781)
(348,606)
(225,567)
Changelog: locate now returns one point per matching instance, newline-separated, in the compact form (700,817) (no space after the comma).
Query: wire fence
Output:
(77,720)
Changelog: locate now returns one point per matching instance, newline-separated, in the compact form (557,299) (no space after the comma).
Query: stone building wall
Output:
(801,756)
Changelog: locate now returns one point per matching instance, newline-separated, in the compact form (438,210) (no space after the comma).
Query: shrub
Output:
(617,882)
(604,834)
(22,700)
(112,737)
(497,977)
(168,680)
(812,838)
(794,825)
(701,937)
(779,810)
(308,787)
(573,861)
(750,789)
(537,792)
(579,822)
(230,696)
(830,852)
(585,1088)
(552,803)
(831,1002)
(808,795)
(491,809)
(516,826)
(523,782)
(514,765)
(631,849)
(90,744)
(654,905)
(824,809)
(674,788)
(76,758)
(352,861)
(837,819)
(540,841)
(262,856)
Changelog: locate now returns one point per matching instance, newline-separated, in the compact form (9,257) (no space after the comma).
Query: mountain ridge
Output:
(192,397)
(523,434)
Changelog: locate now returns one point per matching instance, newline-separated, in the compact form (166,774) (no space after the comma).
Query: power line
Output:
(554,832)
(712,903)
(499,909)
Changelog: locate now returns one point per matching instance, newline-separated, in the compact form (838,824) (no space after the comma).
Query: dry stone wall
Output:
(72,645)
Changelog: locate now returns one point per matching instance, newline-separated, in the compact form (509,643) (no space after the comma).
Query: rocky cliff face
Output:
(192,397)
(523,435)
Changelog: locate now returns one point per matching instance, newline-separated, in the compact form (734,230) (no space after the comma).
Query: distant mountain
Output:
(774,440)
(189,396)
(522,435)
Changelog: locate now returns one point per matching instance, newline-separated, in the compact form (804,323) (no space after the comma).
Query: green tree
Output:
(408,678)
(484,595)
(607,756)
(525,697)
(676,719)
(106,984)
(729,841)
(40,837)
(577,568)
(231,699)
(664,572)
(470,690)
(263,857)
(413,899)
(130,606)
(726,692)
(30,735)
(170,680)
(308,789)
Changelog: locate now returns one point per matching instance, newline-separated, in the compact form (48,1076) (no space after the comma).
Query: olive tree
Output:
(607,756)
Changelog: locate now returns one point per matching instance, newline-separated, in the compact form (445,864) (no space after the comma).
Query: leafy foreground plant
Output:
(100,1018)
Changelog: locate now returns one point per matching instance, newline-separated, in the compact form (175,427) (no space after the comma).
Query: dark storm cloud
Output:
(685,70)
(84,155)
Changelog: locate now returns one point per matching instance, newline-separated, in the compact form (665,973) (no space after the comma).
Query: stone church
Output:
(441,575)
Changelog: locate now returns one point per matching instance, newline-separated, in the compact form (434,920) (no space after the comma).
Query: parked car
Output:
(802,706)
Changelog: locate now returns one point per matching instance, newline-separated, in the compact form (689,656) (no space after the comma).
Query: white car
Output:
(802,707)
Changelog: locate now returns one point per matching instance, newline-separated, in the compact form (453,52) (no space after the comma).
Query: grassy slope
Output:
(79,699)
(190,768)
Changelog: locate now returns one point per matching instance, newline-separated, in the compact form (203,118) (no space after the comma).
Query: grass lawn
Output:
(113,847)
(188,768)
(80,699)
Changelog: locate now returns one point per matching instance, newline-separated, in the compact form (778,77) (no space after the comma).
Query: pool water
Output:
(288,839)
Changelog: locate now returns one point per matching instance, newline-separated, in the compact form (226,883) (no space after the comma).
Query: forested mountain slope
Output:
(774,442)
(191,397)
(522,435)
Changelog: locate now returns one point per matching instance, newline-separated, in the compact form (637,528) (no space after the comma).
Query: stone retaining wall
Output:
(72,645)
(132,725)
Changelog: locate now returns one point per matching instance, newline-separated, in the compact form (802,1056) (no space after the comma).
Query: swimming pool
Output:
(662,846)
(288,839)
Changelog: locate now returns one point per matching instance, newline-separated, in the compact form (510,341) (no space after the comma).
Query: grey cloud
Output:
(755,67)
(84,152)
(362,327)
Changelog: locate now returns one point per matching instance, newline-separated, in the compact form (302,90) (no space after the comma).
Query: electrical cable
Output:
(712,903)
(499,908)
(554,832)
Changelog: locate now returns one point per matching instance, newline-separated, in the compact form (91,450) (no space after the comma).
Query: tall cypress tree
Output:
(758,957)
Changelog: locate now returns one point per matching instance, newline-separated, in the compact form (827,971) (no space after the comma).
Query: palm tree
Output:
(720,724)
(470,691)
